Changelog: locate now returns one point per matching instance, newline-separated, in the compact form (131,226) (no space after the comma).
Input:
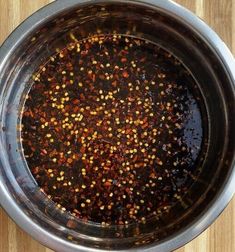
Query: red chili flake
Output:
(71,224)
(125,74)
(82,96)
(107,184)
(44,151)
(75,102)
(114,83)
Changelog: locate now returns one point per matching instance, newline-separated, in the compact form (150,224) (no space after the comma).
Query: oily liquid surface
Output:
(111,131)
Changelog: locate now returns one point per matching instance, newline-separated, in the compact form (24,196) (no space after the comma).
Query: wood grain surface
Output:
(220,15)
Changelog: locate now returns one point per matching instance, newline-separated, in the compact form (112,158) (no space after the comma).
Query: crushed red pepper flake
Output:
(111,130)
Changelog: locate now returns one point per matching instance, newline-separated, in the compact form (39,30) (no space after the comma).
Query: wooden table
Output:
(220,15)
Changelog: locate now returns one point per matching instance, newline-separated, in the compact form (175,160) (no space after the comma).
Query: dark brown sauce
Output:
(111,129)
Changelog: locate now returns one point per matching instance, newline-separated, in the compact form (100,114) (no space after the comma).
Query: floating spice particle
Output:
(69,160)
(125,74)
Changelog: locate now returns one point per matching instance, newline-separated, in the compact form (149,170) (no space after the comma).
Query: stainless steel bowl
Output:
(173,28)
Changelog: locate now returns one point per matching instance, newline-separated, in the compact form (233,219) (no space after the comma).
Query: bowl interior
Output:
(171,33)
